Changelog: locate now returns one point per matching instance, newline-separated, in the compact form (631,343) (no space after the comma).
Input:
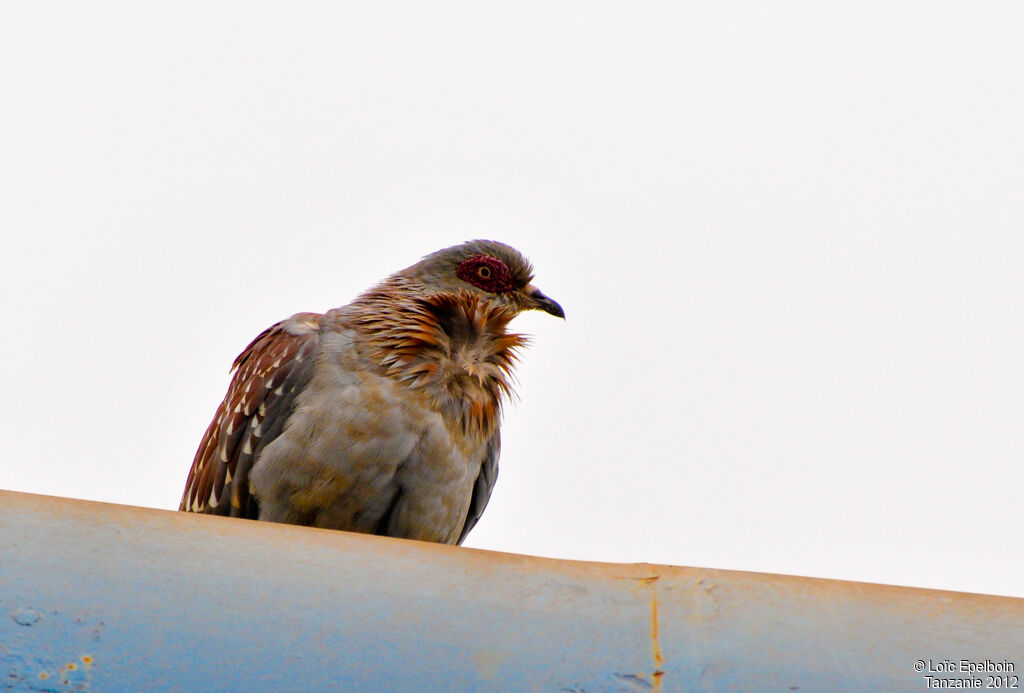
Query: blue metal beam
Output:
(97,597)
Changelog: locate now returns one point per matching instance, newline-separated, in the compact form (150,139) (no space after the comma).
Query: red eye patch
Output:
(485,272)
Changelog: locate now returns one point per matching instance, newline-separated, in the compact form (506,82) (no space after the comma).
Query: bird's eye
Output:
(485,272)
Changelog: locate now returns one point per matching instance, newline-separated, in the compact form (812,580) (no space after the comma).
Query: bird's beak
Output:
(538,301)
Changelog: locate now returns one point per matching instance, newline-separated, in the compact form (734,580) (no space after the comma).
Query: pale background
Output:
(788,238)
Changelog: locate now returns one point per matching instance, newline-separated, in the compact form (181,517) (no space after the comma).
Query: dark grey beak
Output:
(542,302)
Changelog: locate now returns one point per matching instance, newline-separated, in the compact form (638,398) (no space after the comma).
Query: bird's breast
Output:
(366,452)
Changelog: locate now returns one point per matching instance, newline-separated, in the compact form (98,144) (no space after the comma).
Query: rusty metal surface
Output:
(98,597)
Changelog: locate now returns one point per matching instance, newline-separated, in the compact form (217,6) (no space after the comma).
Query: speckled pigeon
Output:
(381,416)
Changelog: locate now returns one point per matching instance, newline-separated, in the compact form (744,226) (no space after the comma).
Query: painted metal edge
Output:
(95,596)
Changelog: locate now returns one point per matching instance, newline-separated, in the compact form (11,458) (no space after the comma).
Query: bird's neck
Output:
(455,349)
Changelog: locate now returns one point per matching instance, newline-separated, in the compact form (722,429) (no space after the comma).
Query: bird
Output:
(381,416)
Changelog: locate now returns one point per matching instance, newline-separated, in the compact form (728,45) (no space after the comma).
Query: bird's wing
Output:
(484,484)
(267,375)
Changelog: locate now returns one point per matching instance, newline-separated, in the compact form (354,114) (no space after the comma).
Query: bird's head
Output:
(495,272)
(441,325)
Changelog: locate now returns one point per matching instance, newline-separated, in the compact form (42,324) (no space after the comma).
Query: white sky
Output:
(788,238)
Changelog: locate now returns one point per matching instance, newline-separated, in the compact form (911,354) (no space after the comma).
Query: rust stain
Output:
(659,660)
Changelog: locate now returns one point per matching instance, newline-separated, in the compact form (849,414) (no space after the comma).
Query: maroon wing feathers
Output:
(267,375)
